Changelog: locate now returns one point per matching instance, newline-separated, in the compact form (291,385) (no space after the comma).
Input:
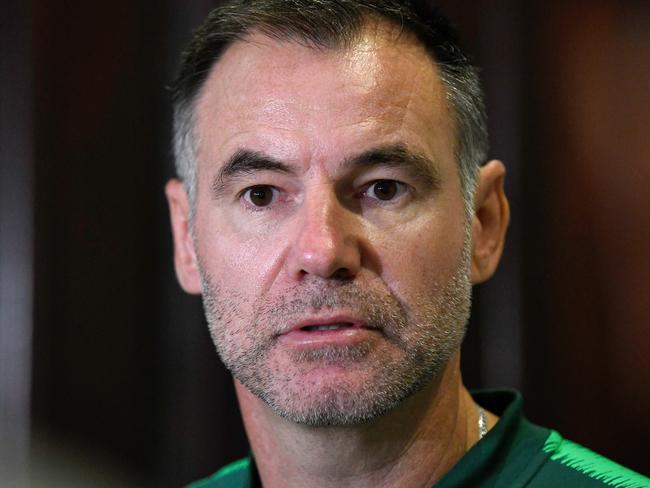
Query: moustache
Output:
(380,309)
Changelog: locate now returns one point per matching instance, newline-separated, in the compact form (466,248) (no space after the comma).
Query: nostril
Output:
(342,273)
(339,274)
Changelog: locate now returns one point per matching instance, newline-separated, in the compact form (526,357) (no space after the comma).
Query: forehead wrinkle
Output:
(360,58)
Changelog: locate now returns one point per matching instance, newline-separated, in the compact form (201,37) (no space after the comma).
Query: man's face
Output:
(329,228)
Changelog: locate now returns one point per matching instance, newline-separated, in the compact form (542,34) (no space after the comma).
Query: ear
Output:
(185,262)
(491,218)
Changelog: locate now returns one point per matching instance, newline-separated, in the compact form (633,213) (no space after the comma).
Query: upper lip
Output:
(327,320)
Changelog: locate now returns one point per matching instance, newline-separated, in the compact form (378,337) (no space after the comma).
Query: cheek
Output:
(425,254)
(240,262)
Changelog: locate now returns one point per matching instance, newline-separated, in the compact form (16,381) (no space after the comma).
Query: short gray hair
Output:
(329,24)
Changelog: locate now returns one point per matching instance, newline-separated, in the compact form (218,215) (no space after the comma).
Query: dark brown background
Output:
(125,384)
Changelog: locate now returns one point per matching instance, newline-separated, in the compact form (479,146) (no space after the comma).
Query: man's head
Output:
(332,235)
(333,24)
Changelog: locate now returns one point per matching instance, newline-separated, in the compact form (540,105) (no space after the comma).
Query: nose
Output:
(326,241)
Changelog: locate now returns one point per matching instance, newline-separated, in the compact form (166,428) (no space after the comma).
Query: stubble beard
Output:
(422,338)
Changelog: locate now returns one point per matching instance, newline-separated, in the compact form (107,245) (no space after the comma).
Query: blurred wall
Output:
(126,385)
(588,341)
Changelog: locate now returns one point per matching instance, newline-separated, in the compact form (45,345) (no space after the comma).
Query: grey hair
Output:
(185,145)
(329,24)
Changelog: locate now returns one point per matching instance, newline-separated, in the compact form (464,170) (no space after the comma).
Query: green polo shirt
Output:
(515,453)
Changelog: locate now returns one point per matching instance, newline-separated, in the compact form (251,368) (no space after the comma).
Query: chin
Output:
(338,395)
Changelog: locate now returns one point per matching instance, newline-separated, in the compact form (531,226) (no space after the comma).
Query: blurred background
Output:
(107,373)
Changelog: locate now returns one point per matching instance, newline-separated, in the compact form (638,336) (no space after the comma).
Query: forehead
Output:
(299,102)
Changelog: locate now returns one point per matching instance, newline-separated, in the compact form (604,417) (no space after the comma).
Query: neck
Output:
(413,445)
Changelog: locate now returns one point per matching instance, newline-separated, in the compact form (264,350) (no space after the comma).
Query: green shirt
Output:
(515,453)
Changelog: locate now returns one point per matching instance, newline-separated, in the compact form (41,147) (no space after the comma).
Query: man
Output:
(334,209)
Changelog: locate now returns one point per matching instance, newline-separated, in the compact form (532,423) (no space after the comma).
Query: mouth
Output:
(330,323)
(318,332)
(327,327)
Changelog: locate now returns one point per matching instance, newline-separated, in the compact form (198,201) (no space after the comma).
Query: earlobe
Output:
(185,261)
(491,218)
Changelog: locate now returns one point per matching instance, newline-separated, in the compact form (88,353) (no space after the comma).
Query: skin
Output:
(313,111)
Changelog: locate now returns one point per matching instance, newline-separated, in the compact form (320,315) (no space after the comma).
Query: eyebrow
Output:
(245,162)
(398,156)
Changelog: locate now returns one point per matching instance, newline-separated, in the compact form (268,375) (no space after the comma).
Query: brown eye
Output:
(384,189)
(260,196)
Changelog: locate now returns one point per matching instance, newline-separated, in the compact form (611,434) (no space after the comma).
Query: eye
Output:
(385,189)
(260,196)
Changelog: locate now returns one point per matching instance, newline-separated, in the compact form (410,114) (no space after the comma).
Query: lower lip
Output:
(335,337)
